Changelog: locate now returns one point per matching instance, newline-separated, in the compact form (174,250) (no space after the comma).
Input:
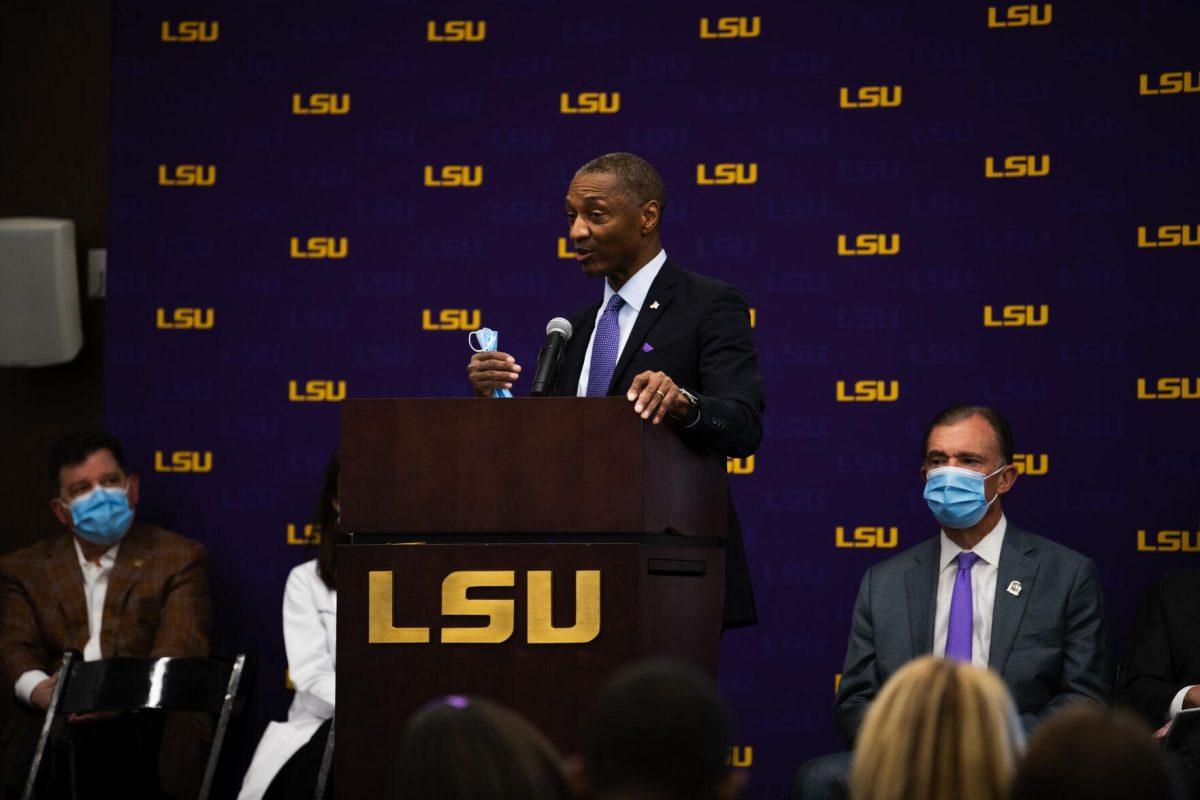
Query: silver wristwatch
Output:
(693,409)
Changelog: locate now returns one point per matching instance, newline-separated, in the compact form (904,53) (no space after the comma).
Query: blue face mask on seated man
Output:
(102,516)
(956,495)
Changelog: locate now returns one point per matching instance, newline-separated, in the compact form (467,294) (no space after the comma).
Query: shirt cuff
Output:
(30,680)
(1177,703)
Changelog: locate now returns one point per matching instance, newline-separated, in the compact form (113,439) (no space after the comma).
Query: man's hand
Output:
(93,716)
(490,370)
(41,694)
(1192,698)
(654,393)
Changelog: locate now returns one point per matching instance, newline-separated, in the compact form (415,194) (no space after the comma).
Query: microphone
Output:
(558,332)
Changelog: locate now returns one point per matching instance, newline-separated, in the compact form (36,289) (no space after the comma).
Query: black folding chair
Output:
(210,685)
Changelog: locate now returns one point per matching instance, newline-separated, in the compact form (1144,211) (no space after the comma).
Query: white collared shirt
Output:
(95,589)
(983,591)
(634,294)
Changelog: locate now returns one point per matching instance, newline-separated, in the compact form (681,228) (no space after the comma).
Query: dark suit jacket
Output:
(1163,654)
(700,335)
(1049,642)
(156,604)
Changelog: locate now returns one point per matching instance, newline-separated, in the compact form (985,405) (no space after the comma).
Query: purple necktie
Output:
(604,348)
(962,616)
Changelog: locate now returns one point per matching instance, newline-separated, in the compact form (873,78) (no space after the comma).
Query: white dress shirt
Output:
(634,294)
(983,592)
(1177,703)
(95,589)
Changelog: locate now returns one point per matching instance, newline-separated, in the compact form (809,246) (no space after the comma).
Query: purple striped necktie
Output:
(604,348)
(961,630)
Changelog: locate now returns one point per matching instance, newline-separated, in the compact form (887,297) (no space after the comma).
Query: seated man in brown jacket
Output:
(106,586)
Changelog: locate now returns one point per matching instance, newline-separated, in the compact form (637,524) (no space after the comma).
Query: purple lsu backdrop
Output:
(924,205)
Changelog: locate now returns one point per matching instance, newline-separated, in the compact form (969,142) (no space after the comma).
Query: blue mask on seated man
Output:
(956,495)
(102,516)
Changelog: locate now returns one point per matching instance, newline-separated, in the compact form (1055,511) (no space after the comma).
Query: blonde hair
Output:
(939,730)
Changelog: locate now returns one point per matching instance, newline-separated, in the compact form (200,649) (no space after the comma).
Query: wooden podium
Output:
(520,550)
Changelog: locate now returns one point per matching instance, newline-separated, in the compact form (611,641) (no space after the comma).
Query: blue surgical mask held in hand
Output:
(102,516)
(487,339)
(956,495)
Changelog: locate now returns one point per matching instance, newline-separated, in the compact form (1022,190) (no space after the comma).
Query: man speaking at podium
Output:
(672,342)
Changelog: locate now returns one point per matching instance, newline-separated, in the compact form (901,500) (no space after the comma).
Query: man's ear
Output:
(61,510)
(1006,480)
(651,216)
(131,490)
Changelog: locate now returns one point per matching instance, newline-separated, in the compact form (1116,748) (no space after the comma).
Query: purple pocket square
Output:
(647,347)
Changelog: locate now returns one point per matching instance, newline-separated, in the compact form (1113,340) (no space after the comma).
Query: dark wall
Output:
(54,71)
(54,82)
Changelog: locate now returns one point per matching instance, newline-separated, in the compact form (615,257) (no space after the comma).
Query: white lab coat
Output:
(310,637)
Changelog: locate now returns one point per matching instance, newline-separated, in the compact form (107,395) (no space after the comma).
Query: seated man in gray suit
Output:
(982,591)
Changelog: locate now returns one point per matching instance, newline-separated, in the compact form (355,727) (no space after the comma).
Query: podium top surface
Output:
(529,466)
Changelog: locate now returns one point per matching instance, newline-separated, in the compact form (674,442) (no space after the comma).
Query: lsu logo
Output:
(451,319)
(1016,316)
(190,31)
(564,250)
(1169,389)
(739,756)
(317,392)
(1017,167)
(868,536)
(1031,463)
(590,103)
(540,629)
(870,97)
(753,318)
(727,174)
(1170,236)
(869,244)
(740,466)
(183,461)
(185,319)
(187,175)
(320,247)
(321,104)
(456,30)
(730,27)
(303,534)
(1170,83)
(868,392)
(1169,542)
(1026,16)
(454,175)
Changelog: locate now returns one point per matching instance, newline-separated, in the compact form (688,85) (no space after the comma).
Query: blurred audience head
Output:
(466,748)
(329,510)
(657,732)
(1086,752)
(940,729)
